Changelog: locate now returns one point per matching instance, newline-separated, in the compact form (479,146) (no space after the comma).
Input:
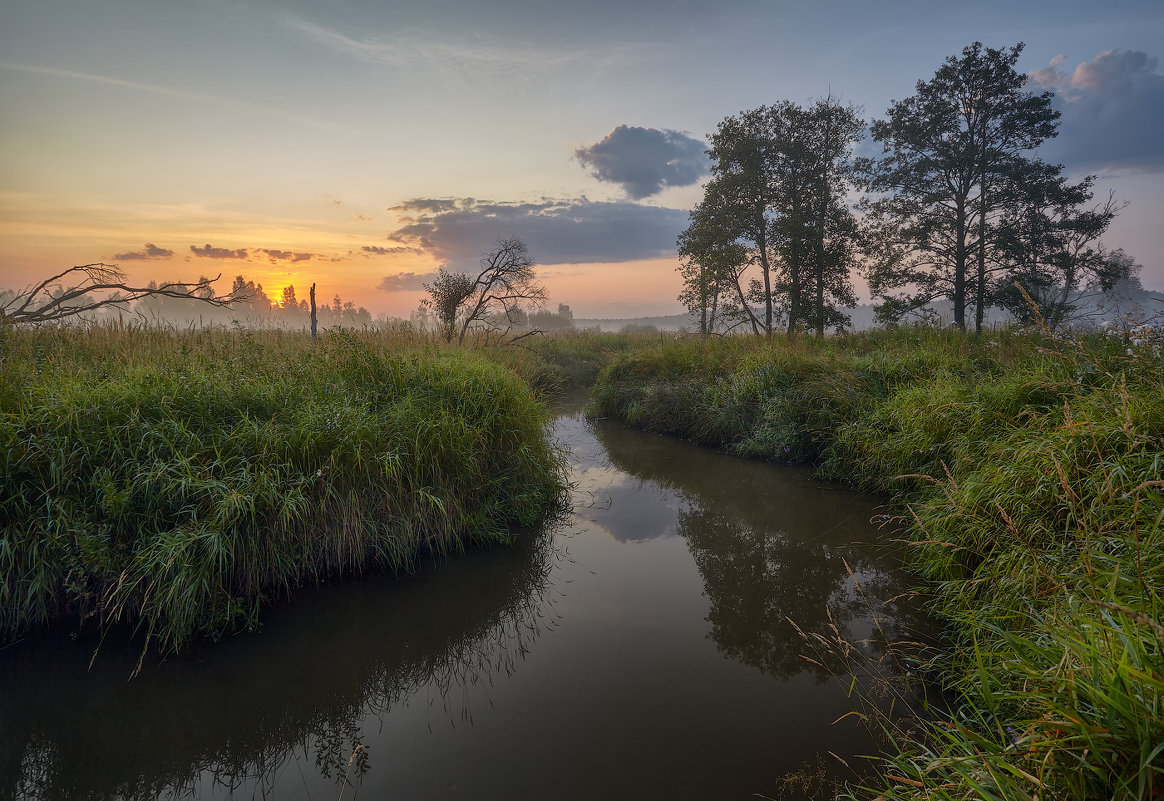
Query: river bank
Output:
(1028,471)
(637,647)
(179,481)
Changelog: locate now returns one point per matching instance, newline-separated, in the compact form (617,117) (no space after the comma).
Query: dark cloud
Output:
(151,251)
(284,255)
(209,252)
(404,281)
(556,231)
(645,160)
(1113,112)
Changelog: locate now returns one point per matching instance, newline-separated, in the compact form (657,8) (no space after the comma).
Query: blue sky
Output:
(362,144)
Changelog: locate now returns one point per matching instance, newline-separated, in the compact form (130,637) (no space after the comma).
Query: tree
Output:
(288,300)
(950,152)
(447,294)
(88,287)
(739,195)
(493,299)
(1050,244)
(776,202)
(829,131)
(712,262)
(546,320)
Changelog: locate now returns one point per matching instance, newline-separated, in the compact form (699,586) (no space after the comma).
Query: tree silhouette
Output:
(89,287)
(493,299)
(951,153)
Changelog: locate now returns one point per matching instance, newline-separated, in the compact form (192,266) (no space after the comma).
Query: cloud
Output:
(138,86)
(284,255)
(209,252)
(376,250)
(478,56)
(272,254)
(645,160)
(406,281)
(557,231)
(1112,112)
(151,251)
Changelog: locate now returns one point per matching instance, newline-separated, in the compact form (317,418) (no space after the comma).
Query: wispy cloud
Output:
(272,255)
(406,281)
(476,55)
(377,250)
(138,86)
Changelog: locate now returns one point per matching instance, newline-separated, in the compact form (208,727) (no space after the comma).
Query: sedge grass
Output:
(1029,475)
(180,480)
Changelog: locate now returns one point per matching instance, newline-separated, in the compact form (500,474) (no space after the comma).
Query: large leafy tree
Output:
(1049,243)
(739,196)
(712,263)
(774,236)
(950,154)
(829,130)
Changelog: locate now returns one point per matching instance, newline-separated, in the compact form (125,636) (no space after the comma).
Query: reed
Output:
(180,480)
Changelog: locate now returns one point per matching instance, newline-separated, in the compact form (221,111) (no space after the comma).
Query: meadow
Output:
(1026,472)
(179,481)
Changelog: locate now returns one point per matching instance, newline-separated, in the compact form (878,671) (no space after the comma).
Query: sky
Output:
(361,145)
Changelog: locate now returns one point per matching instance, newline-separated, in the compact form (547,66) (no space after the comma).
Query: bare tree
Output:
(88,287)
(493,299)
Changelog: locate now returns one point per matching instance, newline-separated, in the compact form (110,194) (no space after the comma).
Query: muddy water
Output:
(641,649)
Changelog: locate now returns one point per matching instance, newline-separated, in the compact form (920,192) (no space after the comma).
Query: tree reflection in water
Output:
(242,711)
(773,548)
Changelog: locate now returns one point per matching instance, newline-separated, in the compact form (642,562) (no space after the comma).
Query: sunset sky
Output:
(361,144)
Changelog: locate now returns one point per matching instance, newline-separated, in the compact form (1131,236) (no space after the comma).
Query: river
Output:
(642,649)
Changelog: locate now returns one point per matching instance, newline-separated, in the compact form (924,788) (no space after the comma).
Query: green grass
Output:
(1028,472)
(181,480)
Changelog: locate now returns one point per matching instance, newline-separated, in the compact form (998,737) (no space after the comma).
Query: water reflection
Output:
(773,548)
(653,661)
(294,696)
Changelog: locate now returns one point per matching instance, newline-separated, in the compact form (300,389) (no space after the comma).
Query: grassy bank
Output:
(180,480)
(1029,474)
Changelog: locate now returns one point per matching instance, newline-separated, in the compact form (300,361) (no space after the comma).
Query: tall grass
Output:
(1028,472)
(180,480)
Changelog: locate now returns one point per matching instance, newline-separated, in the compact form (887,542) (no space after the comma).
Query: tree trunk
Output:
(960,266)
(314,321)
(744,304)
(714,307)
(822,220)
(702,300)
(762,242)
(980,289)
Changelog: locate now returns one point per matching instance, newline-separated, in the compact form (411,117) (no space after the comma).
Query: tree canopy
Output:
(774,237)
(953,154)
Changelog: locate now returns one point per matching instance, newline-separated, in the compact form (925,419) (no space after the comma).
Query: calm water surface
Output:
(641,649)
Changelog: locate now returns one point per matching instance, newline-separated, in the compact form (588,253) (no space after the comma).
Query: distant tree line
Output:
(958,207)
(250,305)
